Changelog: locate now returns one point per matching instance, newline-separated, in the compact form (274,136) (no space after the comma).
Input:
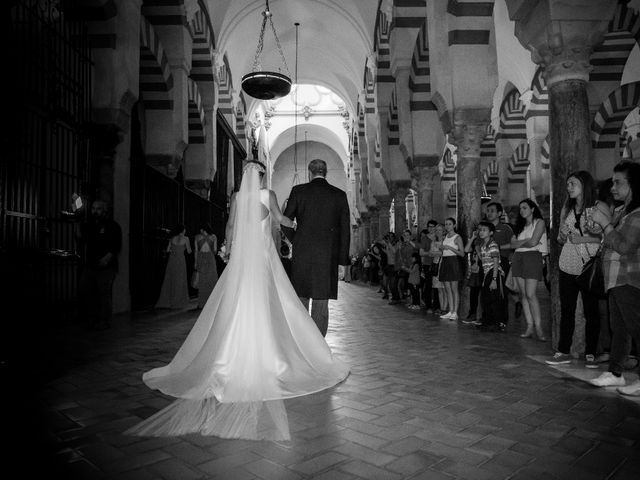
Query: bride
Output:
(253,345)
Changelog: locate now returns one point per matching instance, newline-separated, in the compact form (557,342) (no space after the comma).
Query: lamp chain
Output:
(266,15)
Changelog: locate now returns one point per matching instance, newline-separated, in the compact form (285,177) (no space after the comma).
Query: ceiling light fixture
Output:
(262,84)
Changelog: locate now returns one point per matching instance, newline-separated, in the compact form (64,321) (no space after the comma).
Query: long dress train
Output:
(253,345)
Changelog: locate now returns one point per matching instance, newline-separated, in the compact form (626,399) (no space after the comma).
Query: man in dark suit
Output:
(320,241)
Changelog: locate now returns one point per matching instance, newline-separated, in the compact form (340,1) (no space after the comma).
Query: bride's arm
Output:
(228,232)
(276,212)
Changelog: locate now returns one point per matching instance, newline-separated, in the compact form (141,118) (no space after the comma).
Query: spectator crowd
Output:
(503,264)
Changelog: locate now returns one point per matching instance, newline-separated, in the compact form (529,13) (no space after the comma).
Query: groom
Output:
(320,241)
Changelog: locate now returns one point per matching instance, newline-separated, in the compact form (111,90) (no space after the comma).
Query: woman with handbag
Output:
(621,268)
(578,246)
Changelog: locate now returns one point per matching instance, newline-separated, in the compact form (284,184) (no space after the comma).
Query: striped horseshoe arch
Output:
(156,80)
(224,88)
(452,197)
(369,91)
(361,138)
(202,64)
(448,167)
(377,162)
(466,14)
(443,112)
(539,105)
(491,178)
(488,145)
(519,164)
(544,154)
(381,46)
(196,114)
(392,121)
(610,58)
(512,122)
(241,108)
(420,76)
(608,121)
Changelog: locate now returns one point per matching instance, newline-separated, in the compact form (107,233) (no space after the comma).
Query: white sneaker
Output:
(632,390)
(608,379)
(453,317)
(446,316)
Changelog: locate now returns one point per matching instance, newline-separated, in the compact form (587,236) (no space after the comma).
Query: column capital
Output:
(425,176)
(384,201)
(469,129)
(399,186)
(567,61)
(561,35)
(423,161)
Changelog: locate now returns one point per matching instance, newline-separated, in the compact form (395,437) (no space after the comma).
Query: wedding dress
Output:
(252,346)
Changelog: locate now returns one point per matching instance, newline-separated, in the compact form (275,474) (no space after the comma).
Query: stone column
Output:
(399,190)
(410,207)
(374,224)
(535,155)
(384,203)
(567,74)
(365,239)
(469,127)
(424,173)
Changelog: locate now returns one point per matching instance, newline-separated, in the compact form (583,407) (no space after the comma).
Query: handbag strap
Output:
(579,252)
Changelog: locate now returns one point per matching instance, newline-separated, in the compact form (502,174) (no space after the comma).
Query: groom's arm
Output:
(345,231)
(290,211)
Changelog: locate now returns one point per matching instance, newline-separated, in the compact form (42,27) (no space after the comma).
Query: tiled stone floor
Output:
(426,399)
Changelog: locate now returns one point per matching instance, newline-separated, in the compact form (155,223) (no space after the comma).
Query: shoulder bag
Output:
(591,279)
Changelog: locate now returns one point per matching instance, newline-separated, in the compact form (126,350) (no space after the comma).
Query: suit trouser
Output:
(319,312)
(624,303)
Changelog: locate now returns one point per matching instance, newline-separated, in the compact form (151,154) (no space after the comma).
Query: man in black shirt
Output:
(101,238)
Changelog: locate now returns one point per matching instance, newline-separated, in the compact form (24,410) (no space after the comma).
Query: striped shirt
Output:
(621,252)
(487,253)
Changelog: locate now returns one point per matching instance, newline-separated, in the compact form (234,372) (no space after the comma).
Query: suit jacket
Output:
(321,239)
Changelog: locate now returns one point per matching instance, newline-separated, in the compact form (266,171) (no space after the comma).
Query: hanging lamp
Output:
(261,84)
(296,178)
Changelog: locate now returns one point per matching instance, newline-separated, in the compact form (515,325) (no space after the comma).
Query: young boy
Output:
(493,295)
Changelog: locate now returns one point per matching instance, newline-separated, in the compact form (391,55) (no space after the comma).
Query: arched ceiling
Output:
(315,133)
(335,37)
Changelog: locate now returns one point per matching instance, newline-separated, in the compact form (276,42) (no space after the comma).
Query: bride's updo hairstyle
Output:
(257,165)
